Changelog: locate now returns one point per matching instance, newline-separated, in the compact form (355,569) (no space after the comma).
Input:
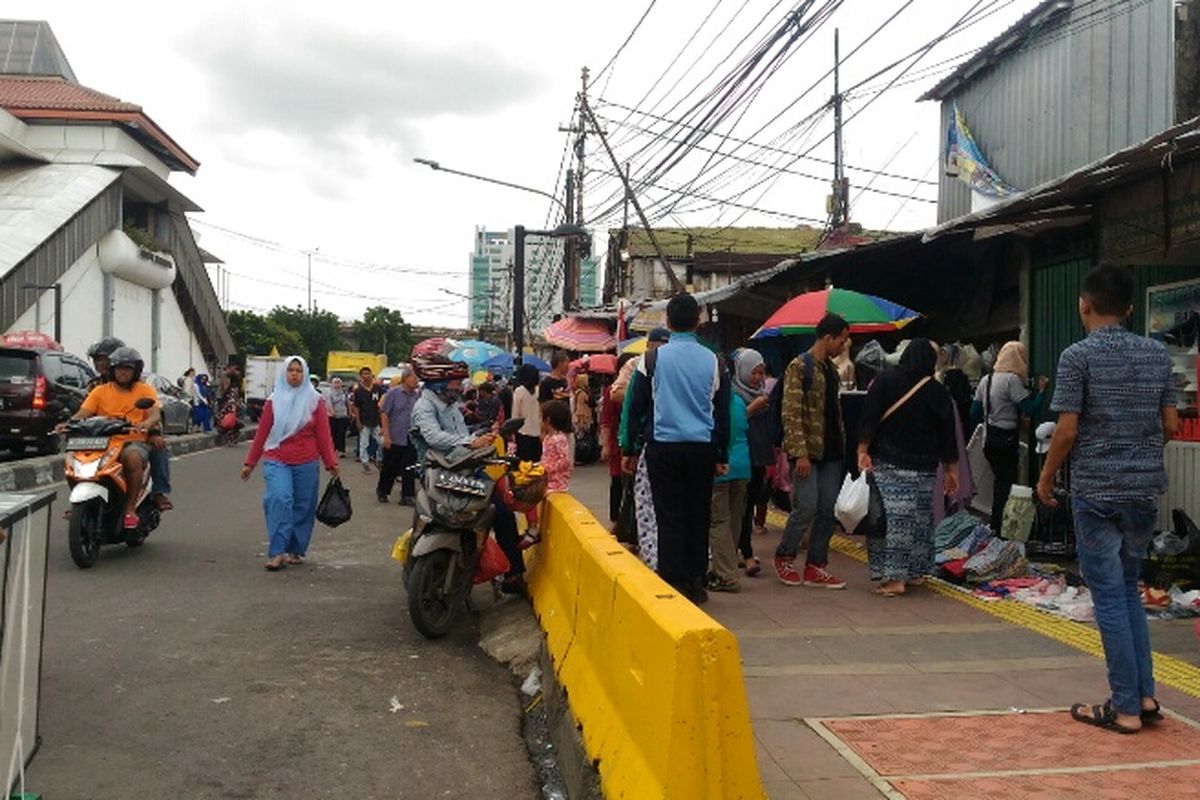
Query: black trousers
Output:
(616,490)
(338,427)
(1003,457)
(755,493)
(505,527)
(529,448)
(681,480)
(396,463)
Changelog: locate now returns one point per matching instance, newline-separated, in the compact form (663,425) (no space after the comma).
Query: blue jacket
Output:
(677,387)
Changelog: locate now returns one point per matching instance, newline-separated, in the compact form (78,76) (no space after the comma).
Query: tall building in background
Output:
(490,281)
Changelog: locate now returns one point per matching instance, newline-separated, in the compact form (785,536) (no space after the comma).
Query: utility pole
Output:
(570,287)
(676,284)
(574,206)
(310,253)
(839,201)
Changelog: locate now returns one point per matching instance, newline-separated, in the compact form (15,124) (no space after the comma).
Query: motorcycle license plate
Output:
(459,483)
(88,443)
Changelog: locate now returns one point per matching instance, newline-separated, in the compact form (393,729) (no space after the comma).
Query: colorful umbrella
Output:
(865,313)
(636,346)
(580,335)
(436,346)
(473,352)
(504,363)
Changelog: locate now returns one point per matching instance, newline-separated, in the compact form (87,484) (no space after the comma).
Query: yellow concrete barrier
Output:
(654,682)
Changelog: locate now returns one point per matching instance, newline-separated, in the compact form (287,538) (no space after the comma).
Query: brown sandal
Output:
(275,564)
(292,558)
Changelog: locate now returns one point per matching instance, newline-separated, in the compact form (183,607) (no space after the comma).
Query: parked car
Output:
(176,406)
(31,380)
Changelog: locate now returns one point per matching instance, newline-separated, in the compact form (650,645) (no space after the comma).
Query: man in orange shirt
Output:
(118,398)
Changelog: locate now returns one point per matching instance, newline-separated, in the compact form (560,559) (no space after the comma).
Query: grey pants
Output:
(812,504)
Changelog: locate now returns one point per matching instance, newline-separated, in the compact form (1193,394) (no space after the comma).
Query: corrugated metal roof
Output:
(17,94)
(1071,194)
(38,199)
(995,50)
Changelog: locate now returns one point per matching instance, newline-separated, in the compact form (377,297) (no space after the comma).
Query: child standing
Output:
(556,460)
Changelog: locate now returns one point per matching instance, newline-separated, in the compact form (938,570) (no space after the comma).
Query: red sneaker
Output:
(785,568)
(820,578)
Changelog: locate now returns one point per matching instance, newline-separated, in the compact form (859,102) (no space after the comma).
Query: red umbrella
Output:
(581,335)
(32,340)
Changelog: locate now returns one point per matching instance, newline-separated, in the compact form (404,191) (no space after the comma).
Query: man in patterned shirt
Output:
(1115,398)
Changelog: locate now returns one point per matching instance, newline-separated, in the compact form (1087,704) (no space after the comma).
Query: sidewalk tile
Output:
(840,789)
(783,790)
(800,752)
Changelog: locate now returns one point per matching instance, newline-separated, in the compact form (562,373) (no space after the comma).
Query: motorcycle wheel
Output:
(83,534)
(431,608)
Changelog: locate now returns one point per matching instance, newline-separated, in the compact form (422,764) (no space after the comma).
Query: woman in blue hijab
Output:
(292,436)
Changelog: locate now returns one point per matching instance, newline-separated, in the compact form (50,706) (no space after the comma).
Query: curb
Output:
(35,473)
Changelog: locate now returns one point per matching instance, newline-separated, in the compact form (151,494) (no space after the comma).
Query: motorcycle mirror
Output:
(144,403)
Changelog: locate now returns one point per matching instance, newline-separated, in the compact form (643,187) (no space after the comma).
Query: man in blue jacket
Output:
(677,388)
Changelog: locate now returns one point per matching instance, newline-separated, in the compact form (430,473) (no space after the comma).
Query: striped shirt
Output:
(1118,383)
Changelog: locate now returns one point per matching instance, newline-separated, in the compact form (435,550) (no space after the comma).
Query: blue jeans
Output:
(365,437)
(1111,540)
(812,504)
(290,504)
(160,470)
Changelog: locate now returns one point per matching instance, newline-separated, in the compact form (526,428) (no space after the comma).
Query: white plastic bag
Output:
(853,502)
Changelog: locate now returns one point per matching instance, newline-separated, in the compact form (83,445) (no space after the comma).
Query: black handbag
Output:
(874,524)
(334,508)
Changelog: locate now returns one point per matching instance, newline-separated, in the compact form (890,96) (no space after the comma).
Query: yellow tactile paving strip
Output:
(1174,672)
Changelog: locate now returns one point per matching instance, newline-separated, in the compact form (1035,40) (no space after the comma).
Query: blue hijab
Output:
(291,406)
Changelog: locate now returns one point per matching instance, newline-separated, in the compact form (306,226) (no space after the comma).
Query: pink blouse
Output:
(556,458)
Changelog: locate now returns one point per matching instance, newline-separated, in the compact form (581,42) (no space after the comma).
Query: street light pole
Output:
(518,296)
(433,165)
(57,289)
(310,253)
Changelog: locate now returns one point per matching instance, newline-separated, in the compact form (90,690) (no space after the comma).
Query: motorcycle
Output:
(96,479)
(452,521)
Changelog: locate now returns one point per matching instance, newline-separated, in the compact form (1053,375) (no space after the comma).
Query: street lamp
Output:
(434,165)
(57,289)
(518,313)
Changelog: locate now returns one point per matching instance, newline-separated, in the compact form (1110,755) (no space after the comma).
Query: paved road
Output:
(185,670)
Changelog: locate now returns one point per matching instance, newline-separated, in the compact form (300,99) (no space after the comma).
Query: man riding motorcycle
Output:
(118,398)
(441,427)
(160,456)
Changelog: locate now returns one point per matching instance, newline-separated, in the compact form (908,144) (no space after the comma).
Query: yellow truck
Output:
(345,364)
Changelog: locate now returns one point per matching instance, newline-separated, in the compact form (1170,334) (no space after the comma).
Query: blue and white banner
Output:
(964,159)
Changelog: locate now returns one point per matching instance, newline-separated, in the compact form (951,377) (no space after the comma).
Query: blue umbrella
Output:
(474,352)
(504,363)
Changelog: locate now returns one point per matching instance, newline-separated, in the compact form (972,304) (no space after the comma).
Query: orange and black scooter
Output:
(98,488)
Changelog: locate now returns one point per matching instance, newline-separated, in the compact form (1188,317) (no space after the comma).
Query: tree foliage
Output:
(383,330)
(290,330)
(319,331)
(254,334)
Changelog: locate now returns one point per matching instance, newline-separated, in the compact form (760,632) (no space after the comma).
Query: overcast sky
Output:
(306,116)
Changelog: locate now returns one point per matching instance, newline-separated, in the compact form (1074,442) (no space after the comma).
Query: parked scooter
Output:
(98,489)
(451,524)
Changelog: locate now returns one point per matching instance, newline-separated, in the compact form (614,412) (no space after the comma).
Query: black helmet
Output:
(127,357)
(104,347)
(440,368)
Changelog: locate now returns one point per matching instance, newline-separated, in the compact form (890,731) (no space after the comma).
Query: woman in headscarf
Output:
(906,431)
(339,415)
(1000,401)
(292,436)
(749,383)
(525,406)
